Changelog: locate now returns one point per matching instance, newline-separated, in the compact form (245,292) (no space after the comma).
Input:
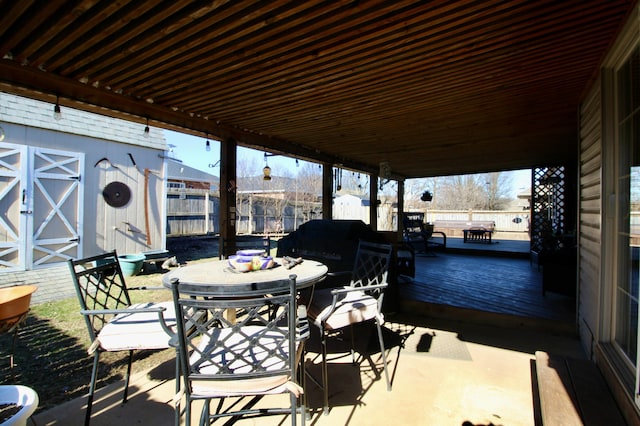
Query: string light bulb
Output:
(146,129)
(208,144)
(57,113)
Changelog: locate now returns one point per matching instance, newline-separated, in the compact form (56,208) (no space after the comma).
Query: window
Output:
(628,208)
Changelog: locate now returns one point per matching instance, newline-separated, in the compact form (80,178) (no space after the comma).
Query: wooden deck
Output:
(485,283)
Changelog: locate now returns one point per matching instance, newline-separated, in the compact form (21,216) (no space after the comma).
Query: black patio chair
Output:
(258,353)
(113,322)
(419,234)
(360,300)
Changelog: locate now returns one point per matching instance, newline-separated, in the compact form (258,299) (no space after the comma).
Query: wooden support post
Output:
(327,191)
(373,202)
(227,191)
(400,210)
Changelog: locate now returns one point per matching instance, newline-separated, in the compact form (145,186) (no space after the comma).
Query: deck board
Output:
(480,281)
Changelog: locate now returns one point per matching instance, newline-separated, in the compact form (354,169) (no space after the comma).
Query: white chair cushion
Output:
(251,346)
(352,307)
(138,330)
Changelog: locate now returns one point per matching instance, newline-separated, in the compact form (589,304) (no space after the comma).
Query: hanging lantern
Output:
(426,196)
(266,172)
(385,170)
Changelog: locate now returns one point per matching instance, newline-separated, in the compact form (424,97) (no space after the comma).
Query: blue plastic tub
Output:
(131,264)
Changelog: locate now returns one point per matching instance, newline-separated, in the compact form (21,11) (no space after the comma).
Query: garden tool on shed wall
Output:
(116,194)
(146,205)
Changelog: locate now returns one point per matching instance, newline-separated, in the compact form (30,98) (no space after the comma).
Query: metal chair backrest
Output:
(100,285)
(260,342)
(371,268)
(414,226)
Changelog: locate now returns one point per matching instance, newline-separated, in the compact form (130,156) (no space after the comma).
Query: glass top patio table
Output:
(217,275)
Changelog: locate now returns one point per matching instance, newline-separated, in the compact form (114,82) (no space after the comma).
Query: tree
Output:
(482,191)
(497,186)
(308,191)
(413,190)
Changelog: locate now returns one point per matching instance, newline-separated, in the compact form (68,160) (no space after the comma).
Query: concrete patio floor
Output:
(443,373)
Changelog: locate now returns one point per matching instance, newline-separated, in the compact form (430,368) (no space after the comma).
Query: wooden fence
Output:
(192,212)
(197,212)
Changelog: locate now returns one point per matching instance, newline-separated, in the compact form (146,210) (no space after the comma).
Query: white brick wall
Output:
(53,283)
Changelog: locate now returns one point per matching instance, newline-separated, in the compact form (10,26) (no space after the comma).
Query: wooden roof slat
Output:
(220,94)
(353,82)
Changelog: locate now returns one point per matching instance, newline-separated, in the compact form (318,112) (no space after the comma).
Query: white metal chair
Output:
(115,324)
(333,309)
(257,354)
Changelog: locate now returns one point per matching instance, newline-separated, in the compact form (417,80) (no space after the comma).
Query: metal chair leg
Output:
(384,354)
(177,407)
(353,346)
(92,388)
(187,412)
(126,380)
(293,400)
(302,378)
(325,373)
(205,412)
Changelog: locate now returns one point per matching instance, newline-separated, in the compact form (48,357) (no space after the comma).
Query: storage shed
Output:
(76,185)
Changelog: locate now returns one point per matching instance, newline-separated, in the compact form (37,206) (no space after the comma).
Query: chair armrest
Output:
(334,279)
(336,292)
(339,273)
(146,288)
(348,289)
(157,309)
(121,311)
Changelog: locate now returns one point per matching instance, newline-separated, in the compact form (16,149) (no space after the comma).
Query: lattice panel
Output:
(549,208)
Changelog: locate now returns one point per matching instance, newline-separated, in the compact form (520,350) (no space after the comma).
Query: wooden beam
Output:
(228,211)
(400,210)
(40,85)
(373,201)
(327,191)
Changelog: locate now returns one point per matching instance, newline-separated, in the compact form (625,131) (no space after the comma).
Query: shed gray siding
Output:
(33,113)
(128,154)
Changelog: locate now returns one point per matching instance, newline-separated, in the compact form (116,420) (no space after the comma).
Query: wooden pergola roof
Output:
(431,87)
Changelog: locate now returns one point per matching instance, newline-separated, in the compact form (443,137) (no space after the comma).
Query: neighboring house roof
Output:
(524,194)
(34,113)
(179,171)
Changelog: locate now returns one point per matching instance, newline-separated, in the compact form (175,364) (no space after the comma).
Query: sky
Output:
(192,151)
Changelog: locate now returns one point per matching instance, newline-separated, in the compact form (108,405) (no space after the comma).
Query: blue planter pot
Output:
(131,264)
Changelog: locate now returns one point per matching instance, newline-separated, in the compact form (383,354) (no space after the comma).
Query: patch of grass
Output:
(50,352)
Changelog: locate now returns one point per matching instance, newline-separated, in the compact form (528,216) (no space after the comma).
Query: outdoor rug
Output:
(439,344)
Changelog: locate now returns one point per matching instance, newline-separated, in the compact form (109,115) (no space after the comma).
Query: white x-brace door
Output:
(13,173)
(42,195)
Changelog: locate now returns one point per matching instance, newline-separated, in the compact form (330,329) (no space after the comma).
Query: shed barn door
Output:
(56,194)
(13,172)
